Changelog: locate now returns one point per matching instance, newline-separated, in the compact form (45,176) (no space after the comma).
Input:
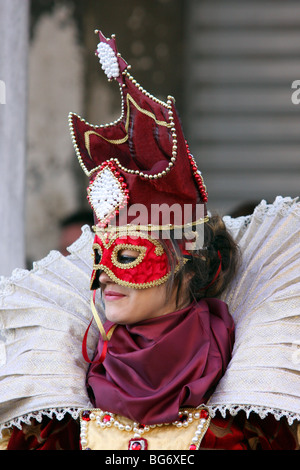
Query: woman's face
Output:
(125,305)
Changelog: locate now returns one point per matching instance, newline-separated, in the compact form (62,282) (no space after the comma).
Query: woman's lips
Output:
(113,295)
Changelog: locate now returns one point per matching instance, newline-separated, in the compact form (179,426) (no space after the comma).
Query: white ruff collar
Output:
(45,312)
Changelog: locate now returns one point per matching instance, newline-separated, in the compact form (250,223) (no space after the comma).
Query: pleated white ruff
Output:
(45,312)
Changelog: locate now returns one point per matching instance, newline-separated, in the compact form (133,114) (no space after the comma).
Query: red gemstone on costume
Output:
(138,444)
(193,447)
(183,417)
(106,418)
(86,415)
(203,414)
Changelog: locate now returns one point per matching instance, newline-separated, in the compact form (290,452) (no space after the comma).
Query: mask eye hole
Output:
(97,254)
(128,256)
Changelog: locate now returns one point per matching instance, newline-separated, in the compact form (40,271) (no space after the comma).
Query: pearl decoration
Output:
(108,60)
(105,194)
(167,105)
(185,419)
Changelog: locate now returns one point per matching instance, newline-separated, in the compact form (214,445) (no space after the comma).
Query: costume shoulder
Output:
(45,312)
(43,316)
(264,300)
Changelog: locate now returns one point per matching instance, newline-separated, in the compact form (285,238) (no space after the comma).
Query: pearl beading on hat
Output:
(107,192)
(123,168)
(108,60)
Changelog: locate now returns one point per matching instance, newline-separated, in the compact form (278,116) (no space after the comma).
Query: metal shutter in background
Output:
(242,127)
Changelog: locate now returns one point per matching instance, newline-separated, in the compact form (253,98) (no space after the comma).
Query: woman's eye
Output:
(97,256)
(127,256)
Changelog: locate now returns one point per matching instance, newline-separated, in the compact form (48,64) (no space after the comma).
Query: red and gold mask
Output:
(147,268)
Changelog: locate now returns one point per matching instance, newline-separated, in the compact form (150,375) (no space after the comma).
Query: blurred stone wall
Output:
(14,18)
(65,75)
(55,88)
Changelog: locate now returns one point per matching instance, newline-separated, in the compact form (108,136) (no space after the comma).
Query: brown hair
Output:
(201,265)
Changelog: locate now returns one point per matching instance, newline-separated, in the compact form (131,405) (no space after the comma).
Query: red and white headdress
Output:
(142,158)
(142,179)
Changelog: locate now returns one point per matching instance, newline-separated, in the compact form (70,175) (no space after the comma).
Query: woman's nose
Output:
(104,278)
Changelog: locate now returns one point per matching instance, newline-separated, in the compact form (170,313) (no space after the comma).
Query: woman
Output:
(146,375)
(163,332)
(162,376)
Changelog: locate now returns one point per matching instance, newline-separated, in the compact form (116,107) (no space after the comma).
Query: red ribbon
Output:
(84,348)
(217,273)
(105,337)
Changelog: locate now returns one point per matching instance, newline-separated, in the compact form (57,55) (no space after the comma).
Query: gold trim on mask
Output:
(109,235)
(126,246)
(108,238)
(143,230)
(96,246)
(133,285)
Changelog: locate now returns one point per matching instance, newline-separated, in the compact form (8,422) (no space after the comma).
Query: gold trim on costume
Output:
(102,430)
(170,125)
(87,134)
